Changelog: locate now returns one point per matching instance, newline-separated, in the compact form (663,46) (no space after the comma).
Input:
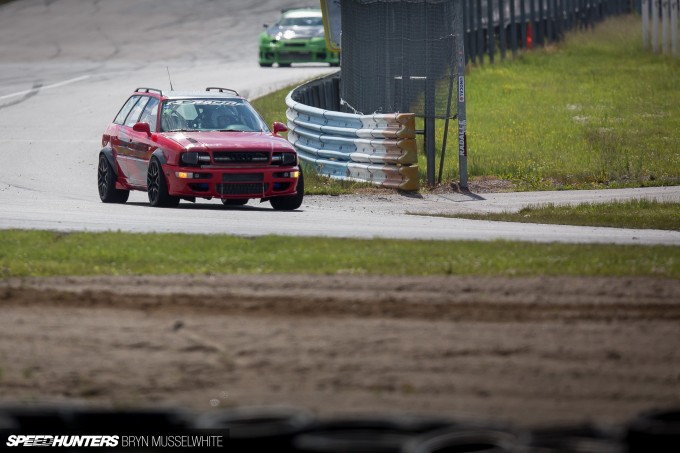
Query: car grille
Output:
(248,188)
(243,177)
(240,157)
(295,56)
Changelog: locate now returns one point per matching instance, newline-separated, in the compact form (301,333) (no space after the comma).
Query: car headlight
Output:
(195,158)
(284,159)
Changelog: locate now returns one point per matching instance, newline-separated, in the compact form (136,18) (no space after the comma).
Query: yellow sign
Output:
(332,23)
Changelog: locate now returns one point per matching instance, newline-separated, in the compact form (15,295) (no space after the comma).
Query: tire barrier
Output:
(383,435)
(586,438)
(299,431)
(259,429)
(462,441)
(380,148)
(657,431)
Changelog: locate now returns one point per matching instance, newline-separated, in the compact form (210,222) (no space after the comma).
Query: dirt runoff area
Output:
(527,350)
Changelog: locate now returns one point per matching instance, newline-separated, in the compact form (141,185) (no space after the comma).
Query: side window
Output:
(133,116)
(120,118)
(150,114)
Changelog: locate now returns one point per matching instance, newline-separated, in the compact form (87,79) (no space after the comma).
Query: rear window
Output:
(150,114)
(133,116)
(123,113)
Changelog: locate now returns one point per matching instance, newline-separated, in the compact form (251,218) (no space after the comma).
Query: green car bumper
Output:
(287,51)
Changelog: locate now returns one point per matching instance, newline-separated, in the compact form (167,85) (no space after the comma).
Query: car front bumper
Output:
(297,51)
(234,183)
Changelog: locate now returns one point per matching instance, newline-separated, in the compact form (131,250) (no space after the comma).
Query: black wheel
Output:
(157,187)
(291,202)
(265,65)
(284,65)
(234,201)
(106,181)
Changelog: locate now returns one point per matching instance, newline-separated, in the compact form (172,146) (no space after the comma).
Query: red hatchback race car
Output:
(185,145)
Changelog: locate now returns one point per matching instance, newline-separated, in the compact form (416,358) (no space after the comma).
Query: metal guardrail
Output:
(379,148)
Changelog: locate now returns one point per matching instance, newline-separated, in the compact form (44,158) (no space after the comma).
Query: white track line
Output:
(46,87)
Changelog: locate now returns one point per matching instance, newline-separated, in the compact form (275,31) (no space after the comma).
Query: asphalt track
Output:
(66,66)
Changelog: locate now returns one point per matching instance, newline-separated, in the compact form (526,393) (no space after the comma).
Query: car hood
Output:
(228,141)
(295,32)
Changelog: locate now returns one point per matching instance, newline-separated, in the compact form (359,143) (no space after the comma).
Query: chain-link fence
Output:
(398,56)
(410,55)
(404,56)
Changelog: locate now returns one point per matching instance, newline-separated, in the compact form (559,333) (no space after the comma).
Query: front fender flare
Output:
(108,153)
(158,154)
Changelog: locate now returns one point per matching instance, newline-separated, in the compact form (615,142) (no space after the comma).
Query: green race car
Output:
(297,37)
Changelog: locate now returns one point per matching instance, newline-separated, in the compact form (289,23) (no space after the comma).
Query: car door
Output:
(120,138)
(129,143)
(141,147)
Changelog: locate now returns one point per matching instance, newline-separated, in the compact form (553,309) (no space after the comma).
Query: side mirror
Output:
(142,127)
(279,127)
(265,25)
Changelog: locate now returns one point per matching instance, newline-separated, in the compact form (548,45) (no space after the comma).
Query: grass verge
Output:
(44,253)
(593,111)
(645,214)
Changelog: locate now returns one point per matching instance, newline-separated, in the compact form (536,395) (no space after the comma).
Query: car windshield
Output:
(229,115)
(301,21)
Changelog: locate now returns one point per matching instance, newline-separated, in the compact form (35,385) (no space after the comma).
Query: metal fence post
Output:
(430,151)
(513,28)
(675,11)
(656,4)
(491,39)
(665,25)
(462,126)
(645,24)
(501,27)
(429,114)
(523,21)
(480,31)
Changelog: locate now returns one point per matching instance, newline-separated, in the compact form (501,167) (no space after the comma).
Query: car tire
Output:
(106,182)
(284,65)
(234,201)
(265,65)
(292,202)
(157,186)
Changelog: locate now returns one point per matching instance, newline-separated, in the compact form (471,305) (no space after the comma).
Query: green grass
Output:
(43,253)
(593,111)
(619,214)
(272,106)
